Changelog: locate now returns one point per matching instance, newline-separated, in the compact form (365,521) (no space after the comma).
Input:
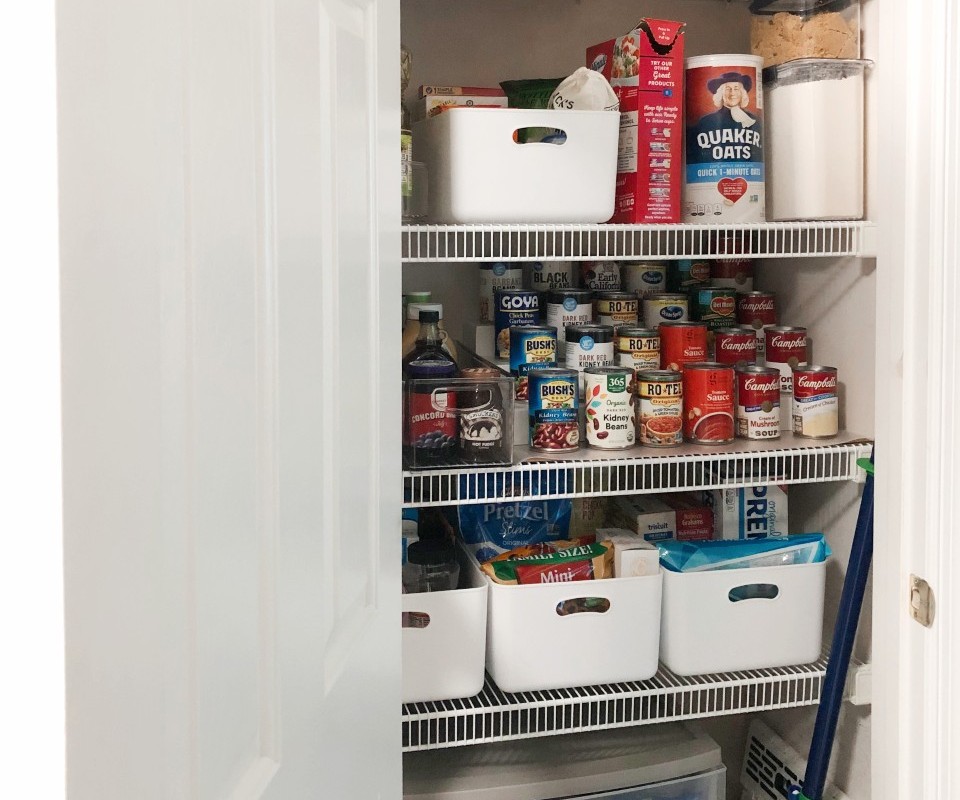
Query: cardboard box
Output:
(587,513)
(433,104)
(653,520)
(645,69)
(483,91)
(752,513)
(632,555)
(695,520)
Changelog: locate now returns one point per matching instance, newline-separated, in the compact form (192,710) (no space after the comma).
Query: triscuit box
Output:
(651,519)
(695,520)
(752,513)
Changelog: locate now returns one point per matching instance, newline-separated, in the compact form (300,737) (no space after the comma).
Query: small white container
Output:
(709,627)
(479,173)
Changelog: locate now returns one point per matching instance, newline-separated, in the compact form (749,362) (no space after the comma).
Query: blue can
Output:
(512,308)
(554,398)
(531,347)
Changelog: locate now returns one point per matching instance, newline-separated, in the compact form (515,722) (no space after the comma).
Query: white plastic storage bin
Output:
(477,172)
(445,659)
(727,620)
(671,761)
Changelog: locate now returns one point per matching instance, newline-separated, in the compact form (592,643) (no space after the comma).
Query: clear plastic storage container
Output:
(782,30)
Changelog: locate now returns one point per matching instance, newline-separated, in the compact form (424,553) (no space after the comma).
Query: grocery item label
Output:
(600,276)
(617,312)
(495,277)
(513,308)
(643,279)
(659,418)
(530,350)
(815,403)
(541,276)
(657,309)
(708,404)
(639,352)
(569,312)
(758,404)
(588,353)
(431,419)
(553,412)
(609,410)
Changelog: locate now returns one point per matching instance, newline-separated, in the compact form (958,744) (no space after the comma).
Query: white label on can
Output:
(541,276)
(816,416)
(588,353)
(609,412)
(494,278)
(740,283)
(644,279)
(758,422)
(569,313)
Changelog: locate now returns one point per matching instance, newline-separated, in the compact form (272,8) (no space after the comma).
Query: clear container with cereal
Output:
(782,30)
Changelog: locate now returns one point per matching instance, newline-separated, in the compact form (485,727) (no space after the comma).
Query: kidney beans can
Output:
(588,346)
(735,345)
(643,278)
(786,349)
(637,348)
(757,310)
(531,346)
(544,276)
(513,308)
(659,408)
(708,403)
(568,307)
(617,308)
(608,407)
(815,403)
(758,402)
(554,410)
(689,273)
(497,276)
(665,307)
(682,343)
(715,307)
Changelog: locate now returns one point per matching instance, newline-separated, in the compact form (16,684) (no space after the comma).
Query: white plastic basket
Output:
(477,172)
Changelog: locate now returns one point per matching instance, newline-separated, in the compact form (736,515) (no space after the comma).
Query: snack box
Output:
(651,519)
(752,513)
(455,91)
(694,517)
(434,104)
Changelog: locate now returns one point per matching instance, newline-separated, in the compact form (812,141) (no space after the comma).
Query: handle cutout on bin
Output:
(414,619)
(754,591)
(536,135)
(583,605)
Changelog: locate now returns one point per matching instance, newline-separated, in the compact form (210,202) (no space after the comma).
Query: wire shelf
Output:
(610,242)
(496,716)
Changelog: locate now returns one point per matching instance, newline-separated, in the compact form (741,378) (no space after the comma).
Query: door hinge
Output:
(922,603)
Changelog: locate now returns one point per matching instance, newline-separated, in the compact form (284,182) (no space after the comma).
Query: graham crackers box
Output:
(645,69)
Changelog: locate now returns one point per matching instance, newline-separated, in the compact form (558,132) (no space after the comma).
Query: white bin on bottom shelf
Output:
(735,619)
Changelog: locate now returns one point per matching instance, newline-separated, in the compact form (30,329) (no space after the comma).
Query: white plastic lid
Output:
(414,309)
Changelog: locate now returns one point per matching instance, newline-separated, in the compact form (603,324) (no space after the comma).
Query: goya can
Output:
(682,343)
(815,404)
(708,403)
(513,308)
(608,407)
(643,278)
(758,402)
(554,407)
(786,349)
(531,346)
(713,306)
(665,307)
(637,348)
(689,273)
(568,307)
(588,346)
(736,345)
(659,408)
(617,308)
(757,310)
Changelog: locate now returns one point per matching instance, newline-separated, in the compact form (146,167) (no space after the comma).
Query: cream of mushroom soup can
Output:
(815,403)
(608,408)
(637,348)
(758,402)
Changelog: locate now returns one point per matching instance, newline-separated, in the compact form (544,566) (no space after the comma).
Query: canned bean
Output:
(665,307)
(758,402)
(513,308)
(786,349)
(617,308)
(638,348)
(736,346)
(540,276)
(682,343)
(815,403)
(531,346)
(708,403)
(715,307)
(608,406)
(643,278)
(660,408)
(588,346)
(554,405)
(568,307)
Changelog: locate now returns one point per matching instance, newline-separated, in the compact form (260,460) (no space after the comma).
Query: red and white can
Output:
(682,343)
(757,310)
(737,346)
(708,407)
(815,404)
(786,350)
(732,273)
(758,402)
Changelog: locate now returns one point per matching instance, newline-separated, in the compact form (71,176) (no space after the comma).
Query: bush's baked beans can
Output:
(617,308)
(608,407)
(512,308)
(554,404)
(531,346)
(643,278)
(665,307)
(786,349)
(568,307)
(736,345)
(588,346)
(815,404)
(682,343)
(659,408)
(637,348)
(708,403)
(689,273)
(713,306)
(757,310)
(758,402)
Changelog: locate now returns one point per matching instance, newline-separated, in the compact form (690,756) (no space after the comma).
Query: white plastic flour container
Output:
(815,139)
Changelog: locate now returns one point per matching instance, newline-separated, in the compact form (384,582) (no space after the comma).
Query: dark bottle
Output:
(480,405)
(429,344)
(430,405)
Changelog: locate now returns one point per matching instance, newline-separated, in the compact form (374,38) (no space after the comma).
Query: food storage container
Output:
(782,30)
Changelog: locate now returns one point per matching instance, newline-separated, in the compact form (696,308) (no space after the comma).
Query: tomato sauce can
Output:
(665,307)
(682,343)
(708,403)
(659,408)
(758,402)
(554,408)
(736,345)
(713,306)
(608,407)
(617,308)
(512,308)
(757,310)
(637,348)
(786,349)
(815,403)
(531,346)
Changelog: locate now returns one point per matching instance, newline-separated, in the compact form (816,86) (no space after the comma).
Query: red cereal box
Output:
(645,69)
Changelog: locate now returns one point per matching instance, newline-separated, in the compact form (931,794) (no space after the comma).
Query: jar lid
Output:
(429,316)
(804,8)
(431,552)
(431,369)
(414,309)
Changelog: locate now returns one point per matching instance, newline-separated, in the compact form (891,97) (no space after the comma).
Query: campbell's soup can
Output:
(643,278)
(682,343)
(637,348)
(758,402)
(786,349)
(608,408)
(617,308)
(513,308)
(568,307)
(588,346)
(708,403)
(531,346)
(553,404)
(659,408)
(665,307)
(733,273)
(757,310)
(815,405)
(543,276)
(736,345)
(689,273)
(714,307)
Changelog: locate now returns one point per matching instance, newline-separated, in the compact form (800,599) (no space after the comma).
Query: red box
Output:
(645,69)
(694,519)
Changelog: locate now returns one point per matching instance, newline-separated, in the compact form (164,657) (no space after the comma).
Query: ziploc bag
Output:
(799,548)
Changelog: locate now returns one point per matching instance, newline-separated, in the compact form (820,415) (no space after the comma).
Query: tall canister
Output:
(724,180)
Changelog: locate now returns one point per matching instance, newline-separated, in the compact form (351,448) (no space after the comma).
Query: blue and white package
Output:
(800,548)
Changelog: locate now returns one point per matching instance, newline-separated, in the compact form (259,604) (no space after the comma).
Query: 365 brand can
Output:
(815,404)
(757,310)
(736,345)
(659,408)
(682,343)
(531,346)
(665,307)
(608,406)
(758,402)
(715,307)
(494,277)
(544,276)
(617,308)
(568,307)
(588,346)
(554,404)
(643,278)
(690,273)
(708,403)
(637,348)
(786,349)
(513,308)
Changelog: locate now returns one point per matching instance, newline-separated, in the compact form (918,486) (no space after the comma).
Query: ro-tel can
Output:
(531,346)
(682,343)
(757,310)
(617,308)
(568,307)
(724,180)
(815,405)
(665,307)
(554,409)
(543,276)
(600,276)
(637,348)
(643,277)
(736,345)
(513,308)
(608,406)
(688,273)
(497,276)
(660,407)
(758,402)
(588,346)
(708,403)
(786,349)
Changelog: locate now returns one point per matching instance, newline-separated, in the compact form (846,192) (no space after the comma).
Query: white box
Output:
(652,519)
(632,554)
(478,173)
(708,627)
(752,513)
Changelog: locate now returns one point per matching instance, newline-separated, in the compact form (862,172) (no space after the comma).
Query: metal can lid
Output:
(666,296)
(616,296)
(684,324)
(637,331)
(557,296)
(753,369)
(814,368)
(608,371)
(552,372)
(708,365)
(520,329)
(658,375)
(599,333)
(785,329)
(731,330)
(756,293)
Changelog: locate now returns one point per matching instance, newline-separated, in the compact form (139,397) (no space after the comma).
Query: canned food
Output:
(758,402)
(708,403)
(665,307)
(757,310)
(733,273)
(735,346)
(713,306)
(608,406)
(601,276)
(531,346)
(786,349)
(513,308)
(617,308)
(497,276)
(542,276)
(815,404)
(682,343)
(689,274)
(554,404)
(660,408)
(588,346)
(638,348)
(568,307)
(643,278)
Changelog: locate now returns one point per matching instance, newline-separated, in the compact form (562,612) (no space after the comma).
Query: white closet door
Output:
(230,242)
